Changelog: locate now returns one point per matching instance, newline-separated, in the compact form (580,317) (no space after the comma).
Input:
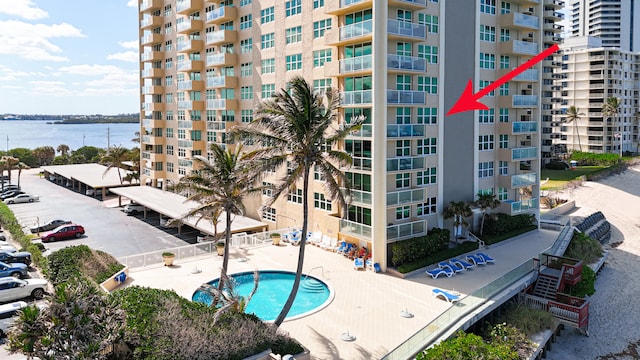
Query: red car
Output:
(63,232)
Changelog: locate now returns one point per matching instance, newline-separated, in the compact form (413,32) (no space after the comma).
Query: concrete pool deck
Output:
(366,304)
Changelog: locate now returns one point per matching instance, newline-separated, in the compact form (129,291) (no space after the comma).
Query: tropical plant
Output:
(229,296)
(63,149)
(294,128)
(42,155)
(611,109)
(459,211)
(11,164)
(115,158)
(573,115)
(21,166)
(3,166)
(485,202)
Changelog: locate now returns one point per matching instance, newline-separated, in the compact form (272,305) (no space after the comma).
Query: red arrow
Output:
(469,101)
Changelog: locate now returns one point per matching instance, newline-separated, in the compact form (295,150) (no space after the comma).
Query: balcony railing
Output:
(356,97)
(356,30)
(223,13)
(519,47)
(529,179)
(405,28)
(524,127)
(405,130)
(527,75)
(360,197)
(221,81)
(526,153)
(221,58)
(354,228)
(361,163)
(405,197)
(409,63)
(407,163)
(525,100)
(406,97)
(517,19)
(354,64)
(406,230)
(518,207)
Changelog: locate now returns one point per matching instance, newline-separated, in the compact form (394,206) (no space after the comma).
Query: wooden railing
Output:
(571,268)
(569,310)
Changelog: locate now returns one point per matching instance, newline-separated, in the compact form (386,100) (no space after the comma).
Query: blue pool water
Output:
(273,289)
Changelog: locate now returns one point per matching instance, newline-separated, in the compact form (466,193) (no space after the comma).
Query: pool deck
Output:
(366,304)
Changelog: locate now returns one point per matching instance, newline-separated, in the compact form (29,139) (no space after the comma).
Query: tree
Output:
(611,109)
(11,164)
(136,138)
(485,202)
(63,149)
(21,166)
(3,167)
(573,115)
(115,158)
(43,154)
(219,186)
(86,154)
(294,128)
(458,210)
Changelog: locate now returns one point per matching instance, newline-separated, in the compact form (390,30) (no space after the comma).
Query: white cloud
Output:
(90,70)
(134,44)
(50,88)
(128,56)
(132,3)
(31,41)
(24,9)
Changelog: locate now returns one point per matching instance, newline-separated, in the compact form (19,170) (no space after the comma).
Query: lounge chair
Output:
(358,263)
(488,259)
(476,260)
(453,266)
(316,238)
(324,242)
(434,273)
(445,295)
(332,245)
(340,249)
(460,262)
(369,262)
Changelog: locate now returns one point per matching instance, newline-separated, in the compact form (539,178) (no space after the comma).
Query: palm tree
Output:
(21,166)
(485,202)
(63,149)
(136,139)
(458,210)
(293,127)
(611,109)
(11,164)
(219,186)
(115,159)
(573,115)
(3,167)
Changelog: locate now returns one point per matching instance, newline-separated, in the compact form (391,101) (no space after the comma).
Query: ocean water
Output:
(31,134)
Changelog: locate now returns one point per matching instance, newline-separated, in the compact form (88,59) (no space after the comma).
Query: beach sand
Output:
(615,307)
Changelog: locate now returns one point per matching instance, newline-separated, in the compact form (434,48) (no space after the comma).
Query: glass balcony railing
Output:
(220,13)
(361,163)
(366,130)
(356,30)
(406,28)
(518,207)
(362,197)
(356,97)
(185,143)
(524,180)
(409,63)
(185,124)
(525,100)
(407,163)
(524,127)
(406,230)
(405,196)
(405,130)
(358,63)
(526,153)
(217,81)
(528,75)
(345,3)
(354,228)
(525,47)
(406,97)
(521,19)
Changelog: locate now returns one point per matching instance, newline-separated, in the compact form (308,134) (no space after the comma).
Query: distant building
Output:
(616,22)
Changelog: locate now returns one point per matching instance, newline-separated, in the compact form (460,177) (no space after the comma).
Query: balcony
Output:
(149,56)
(150,39)
(355,65)
(190,65)
(407,230)
(153,106)
(555,39)
(405,197)
(152,73)
(405,97)
(409,4)
(553,27)
(359,163)
(150,5)
(222,15)
(525,2)
(529,75)
(519,21)
(189,45)
(530,179)
(511,207)
(222,104)
(349,34)
(558,4)
(518,47)
(355,229)
(524,127)
(359,197)
(222,82)
(191,105)
(221,59)
(150,90)
(553,15)
(403,29)
(524,153)
(149,22)
(405,163)
(190,85)
(406,63)
(186,7)
(347,6)
(221,37)
(358,97)
(518,101)
(153,123)
(153,157)
(405,130)
(155,140)
(189,25)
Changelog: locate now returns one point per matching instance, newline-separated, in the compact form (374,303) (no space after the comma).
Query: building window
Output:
(169,149)
(293,7)
(170,167)
(268,90)
(403,82)
(488,191)
(403,212)
(403,115)
(426,177)
(295,196)
(182,134)
(182,152)
(488,6)
(321,84)
(246,115)
(403,180)
(428,52)
(403,48)
(505,62)
(484,84)
(502,194)
(504,89)
(430,21)
(485,169)
(266,41)
(503,168)
(246,45)
(505,7)
(169,133)
(245,2)
(269,214)
(504,115)
(487,61)
(246,21)
(267,15)
(485,142)
(318,3)
(246,93)
(427,208)
(427,146)
(319,27)
(320,57)
(428,84)
(246,69)
(268,66)
(403,147)
(503,141)
(320,202)
(486,116)
(427,115)
(267,189)
(294,62)
(317,174)
(505,35)
(487,33)
(293,35)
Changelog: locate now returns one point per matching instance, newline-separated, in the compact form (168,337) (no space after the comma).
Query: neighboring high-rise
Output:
(400,63)
(614,21)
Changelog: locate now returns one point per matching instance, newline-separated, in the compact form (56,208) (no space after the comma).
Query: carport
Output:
(81,177)
(176,206)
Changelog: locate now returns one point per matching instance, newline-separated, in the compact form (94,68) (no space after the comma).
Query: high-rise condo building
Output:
(614,21)
(400,63)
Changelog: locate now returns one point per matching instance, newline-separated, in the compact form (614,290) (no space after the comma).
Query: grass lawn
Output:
(558,178)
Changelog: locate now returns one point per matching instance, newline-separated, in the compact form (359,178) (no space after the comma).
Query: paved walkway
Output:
(366,304)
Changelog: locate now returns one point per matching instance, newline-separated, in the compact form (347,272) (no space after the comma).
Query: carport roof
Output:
(91,174)
(176,206)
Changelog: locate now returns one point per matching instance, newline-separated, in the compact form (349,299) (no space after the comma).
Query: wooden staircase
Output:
(546,287)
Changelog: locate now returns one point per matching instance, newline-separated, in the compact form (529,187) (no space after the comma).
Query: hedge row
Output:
(499,224)
(408,251)
(10,223)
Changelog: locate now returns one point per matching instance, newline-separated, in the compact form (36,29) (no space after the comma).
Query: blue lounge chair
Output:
(455,268)
(358,263)
(466,265)
(476,260)
(488,259)
(343,245)
(434,273)
(445,295)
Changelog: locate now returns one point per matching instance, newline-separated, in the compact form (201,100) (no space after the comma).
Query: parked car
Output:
(15,289)
(7,312)
(16,270)
(202,237)
(5,246)
(22,198)
(10,194)
(133,208)
(63,232)
(10,187)
(15,257)
(2,237)
(50,225)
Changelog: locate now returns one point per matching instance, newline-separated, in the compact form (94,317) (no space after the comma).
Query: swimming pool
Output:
(273,289)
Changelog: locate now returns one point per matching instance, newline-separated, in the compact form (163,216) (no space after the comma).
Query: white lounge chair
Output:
(488,259)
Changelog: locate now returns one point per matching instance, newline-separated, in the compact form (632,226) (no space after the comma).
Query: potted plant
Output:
(220,248)
(168,257)
(275,238)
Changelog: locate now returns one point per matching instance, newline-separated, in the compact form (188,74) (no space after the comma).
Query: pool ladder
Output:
(313,285)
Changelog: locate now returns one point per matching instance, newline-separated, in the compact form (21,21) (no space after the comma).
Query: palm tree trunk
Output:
(303,241)
(575,129)
(225,258)
(19,173)
(482,223)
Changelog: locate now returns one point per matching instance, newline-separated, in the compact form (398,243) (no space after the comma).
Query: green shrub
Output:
(586,286)
(412,250)
(528,320)
(500,223)
(557,165)
(494,239)
(76,261)
(465,346)
(584,248)
(588,158)
(434,258)
(8,222)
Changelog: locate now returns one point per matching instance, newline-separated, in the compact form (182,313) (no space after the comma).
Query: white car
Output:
(12,289)
(5,246)
(22,198)
(133,208)
(7,312)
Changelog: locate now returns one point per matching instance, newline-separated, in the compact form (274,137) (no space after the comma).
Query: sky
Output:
(69,57)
